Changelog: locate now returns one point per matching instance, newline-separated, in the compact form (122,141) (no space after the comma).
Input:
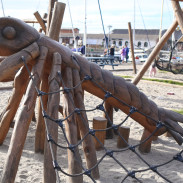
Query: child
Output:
(152,71)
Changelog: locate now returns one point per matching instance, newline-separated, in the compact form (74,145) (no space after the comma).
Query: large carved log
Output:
(22,123)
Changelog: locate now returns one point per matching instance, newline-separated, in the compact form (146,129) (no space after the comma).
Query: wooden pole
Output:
(54,34)
(109,111)
(56,20)
(178,13)
(132,48)
(50,11)
(82,123)
(22,122)
(52,127)
(20,85)
(74,159)
(155,51)
(40,20)
(146,146)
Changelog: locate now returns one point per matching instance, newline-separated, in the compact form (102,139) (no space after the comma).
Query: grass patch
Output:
(179,111)
(157,80)
(164,81)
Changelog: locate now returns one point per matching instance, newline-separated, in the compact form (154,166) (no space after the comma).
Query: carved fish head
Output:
(15,35)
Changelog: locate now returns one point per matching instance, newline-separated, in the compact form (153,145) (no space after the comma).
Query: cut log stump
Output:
(124,132)
(98,124)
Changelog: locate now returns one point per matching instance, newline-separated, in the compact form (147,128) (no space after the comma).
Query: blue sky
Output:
(116,13)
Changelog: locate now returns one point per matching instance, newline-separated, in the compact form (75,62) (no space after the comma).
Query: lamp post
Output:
(109,26)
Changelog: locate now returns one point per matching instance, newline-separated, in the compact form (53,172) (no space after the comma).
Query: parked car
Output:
(141,56)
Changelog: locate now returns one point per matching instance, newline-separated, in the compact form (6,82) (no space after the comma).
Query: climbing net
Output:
(108,152)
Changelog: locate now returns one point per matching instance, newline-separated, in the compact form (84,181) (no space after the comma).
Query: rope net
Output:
(129,174)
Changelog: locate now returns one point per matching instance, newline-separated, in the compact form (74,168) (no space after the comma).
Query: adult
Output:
(127,52)
(112,50)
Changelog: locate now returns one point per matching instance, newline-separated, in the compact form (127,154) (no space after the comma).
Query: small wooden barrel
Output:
(98,124)
(124,132)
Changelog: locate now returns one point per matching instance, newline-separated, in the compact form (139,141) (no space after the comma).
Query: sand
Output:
(164,148)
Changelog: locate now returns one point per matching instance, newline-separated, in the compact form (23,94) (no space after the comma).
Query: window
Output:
(114,42)
(126,43)
(120,43)
(139,44)
(145,44)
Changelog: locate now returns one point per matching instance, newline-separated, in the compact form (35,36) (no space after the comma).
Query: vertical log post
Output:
(22,123)
(124,132)
(109,110)
(146,146)
(74,159)
(50,12)
(132,48)
(98,124)
(56,20)
(52,110)
(54,34)
(83,127)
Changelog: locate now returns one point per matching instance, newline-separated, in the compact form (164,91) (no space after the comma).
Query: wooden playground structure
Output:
(45,57)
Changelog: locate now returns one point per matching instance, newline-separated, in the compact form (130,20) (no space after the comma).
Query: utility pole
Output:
(109,26)
(85,30)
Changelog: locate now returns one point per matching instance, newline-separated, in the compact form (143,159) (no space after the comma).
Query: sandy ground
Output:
(31,164)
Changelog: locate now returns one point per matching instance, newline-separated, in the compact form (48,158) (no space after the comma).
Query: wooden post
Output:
(109,110)
(20,85)
(155,51)
(124,132)
(178,14)
(54,34)
(50,11)
(52,110)
(83,127)
(98,124)
(74,159)
(40,20)
(22,122)
(56,20)
(146,146)
(132,48)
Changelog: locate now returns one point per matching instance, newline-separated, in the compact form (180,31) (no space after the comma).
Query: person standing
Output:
(111,52)
(152,71)
(123,54)
(127,52)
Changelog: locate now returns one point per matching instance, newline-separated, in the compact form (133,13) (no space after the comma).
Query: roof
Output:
(137,31)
